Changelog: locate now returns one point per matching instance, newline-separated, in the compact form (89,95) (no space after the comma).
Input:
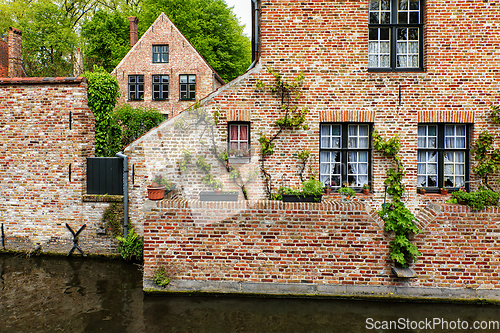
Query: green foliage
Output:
(495,114)
(347,191)
(309,187)
(184,163)
(113,218)
(103,92)
(211,181)
(163,181)
(202,164)
(401,221)
(396,216)
(266,146)
(107,39)
(389,147)
(210,26)
(132,247)
(477,200)
(160,277)
(128,124)
(486,156)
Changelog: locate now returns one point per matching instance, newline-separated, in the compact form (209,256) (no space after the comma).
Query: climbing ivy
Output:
(102,95)
(291,117)
(396,216)
(487,157)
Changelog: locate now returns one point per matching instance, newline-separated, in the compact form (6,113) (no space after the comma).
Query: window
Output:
(187,87)
(136,87)
(160,87)
(160,53)
(395,35)
(239,141)
(443,156)
(345,154)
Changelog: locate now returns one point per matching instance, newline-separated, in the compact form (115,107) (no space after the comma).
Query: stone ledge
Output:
(325,290)
(102,198)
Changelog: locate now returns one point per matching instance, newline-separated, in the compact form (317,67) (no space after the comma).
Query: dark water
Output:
(42,294)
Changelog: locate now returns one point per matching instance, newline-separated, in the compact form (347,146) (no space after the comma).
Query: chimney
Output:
(15,53)
(133,30)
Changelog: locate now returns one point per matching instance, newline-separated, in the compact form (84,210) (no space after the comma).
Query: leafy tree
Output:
(48,37)
(107,39)
(103,92)
(210,26)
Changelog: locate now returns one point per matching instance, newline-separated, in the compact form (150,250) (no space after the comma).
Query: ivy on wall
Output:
(396,216)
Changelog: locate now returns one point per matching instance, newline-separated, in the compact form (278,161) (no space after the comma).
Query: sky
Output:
(242,9)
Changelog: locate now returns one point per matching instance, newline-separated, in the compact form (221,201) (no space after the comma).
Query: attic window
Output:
(160,53)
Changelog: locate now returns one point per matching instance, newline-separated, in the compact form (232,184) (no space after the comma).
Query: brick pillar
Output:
(15,53)
(77,63)
(133,30)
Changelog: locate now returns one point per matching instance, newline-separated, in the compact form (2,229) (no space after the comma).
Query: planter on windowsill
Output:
(301,198)
(238,160)
(222,196)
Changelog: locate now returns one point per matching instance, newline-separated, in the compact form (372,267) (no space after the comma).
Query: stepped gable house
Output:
(163,70)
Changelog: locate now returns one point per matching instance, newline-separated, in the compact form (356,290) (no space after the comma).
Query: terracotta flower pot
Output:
(444,191)
(366,191)
(156,193)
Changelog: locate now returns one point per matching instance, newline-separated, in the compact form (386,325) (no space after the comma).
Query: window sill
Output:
(390,70)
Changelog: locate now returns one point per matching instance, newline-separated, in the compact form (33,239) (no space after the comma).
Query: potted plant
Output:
(366,189)
(346,193)
(217,194)
(328,189)
(159,187)
(444,191)
(422,190)
(311,191)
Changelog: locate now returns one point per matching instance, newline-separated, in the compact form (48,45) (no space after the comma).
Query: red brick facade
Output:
(327,243)
(328,42)
(183,60)
(47,134)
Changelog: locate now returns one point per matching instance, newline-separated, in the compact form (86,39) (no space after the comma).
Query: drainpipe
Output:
(125,193)
(255,42)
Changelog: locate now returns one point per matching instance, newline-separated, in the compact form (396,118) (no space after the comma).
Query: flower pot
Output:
(444,191)
(366,191)
(328,191)
(422,191)
(156,193)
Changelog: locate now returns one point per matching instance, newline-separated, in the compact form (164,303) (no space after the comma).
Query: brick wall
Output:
(47,133)
(332,243)
(183,59)
(4,59)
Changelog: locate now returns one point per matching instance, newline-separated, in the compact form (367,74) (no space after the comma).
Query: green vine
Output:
(292,117)
(495,114)
(396,216)
(303,157)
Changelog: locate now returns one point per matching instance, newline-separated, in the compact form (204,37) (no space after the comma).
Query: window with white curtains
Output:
(239,140)
(345,154)
(395,32)
(443,156)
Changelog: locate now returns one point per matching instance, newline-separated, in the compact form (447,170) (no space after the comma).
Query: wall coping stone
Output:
(41,80)
(324,290)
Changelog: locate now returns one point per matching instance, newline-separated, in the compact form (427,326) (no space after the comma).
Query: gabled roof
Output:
(163,19)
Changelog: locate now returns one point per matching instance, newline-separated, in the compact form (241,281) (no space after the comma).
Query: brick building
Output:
(47,134)
(426,71)
(163,70)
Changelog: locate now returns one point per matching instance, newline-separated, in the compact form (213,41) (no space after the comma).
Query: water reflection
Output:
(61,295)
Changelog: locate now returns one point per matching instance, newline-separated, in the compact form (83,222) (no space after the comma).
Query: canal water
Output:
(45,294)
